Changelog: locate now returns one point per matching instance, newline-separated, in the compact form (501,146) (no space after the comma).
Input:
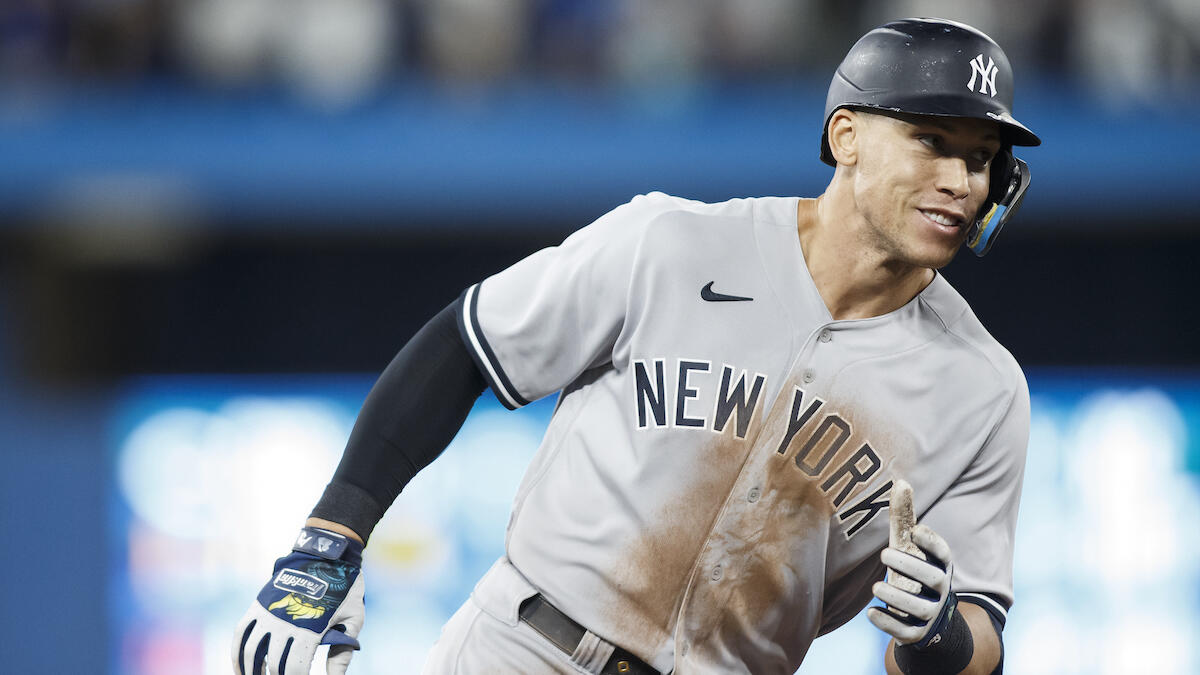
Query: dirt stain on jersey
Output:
(661,557)
(771,551)
(766,607)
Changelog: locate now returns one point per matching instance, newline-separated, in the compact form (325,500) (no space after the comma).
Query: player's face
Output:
(919,182)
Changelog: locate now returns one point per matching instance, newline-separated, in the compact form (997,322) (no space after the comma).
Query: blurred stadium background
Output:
(219,219)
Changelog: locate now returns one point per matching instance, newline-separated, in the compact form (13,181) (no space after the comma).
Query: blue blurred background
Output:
(220,218)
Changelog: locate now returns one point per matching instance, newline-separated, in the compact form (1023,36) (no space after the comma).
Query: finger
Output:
(932,543)
(296,656)
(889,624)
(339,660)
(901,518)
(241,639)
(906,602)
(277,657)
(338,637)
(257,665)
(250,649)
(914,568)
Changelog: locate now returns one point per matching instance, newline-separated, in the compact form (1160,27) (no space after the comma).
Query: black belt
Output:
(564,633)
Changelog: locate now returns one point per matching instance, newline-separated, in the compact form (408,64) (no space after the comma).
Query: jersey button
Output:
(717,573)
(826,335)
(753,496)
(809,376)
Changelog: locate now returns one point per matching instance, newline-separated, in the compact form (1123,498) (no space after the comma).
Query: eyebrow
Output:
(945,126)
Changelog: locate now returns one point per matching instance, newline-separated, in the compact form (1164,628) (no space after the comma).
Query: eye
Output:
(933,141)
(980,160)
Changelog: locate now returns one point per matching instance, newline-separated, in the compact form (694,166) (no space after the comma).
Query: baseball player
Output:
(745,389)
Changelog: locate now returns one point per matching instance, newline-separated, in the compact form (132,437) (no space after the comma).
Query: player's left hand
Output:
(913,615)
(314,597)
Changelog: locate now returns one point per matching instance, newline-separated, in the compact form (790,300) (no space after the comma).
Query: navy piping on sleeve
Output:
(481,351)
(991,604)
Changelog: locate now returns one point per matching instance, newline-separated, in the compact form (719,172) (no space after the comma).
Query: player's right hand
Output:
(315,597)
(916,614)
(919,600)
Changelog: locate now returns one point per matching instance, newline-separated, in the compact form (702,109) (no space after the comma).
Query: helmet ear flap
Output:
(1009,181)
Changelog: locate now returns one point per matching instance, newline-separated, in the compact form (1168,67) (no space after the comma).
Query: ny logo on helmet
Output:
(987,76)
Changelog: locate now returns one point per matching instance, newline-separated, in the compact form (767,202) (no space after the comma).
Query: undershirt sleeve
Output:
(411,414)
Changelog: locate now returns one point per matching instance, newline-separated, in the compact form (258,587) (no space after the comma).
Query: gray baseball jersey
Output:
(711,491)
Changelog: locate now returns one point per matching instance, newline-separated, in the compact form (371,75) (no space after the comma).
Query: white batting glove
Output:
(916,617)
(917,592)
(315,597)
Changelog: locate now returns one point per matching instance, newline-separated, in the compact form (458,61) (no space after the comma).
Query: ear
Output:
(845,127)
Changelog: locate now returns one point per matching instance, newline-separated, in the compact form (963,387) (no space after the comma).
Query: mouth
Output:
(943,219)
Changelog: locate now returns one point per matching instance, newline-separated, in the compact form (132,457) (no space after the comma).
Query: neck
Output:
(855,278)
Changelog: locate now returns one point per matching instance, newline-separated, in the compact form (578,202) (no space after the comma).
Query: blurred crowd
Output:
(345,48)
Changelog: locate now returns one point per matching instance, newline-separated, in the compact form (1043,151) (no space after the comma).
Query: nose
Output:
(953,177)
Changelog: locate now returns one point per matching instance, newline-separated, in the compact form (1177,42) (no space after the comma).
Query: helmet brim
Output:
(1012,132)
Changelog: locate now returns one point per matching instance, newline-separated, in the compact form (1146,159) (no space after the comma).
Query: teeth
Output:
(940,219)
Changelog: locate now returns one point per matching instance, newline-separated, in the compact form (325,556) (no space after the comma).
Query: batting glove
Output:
(315,597)
(918,613)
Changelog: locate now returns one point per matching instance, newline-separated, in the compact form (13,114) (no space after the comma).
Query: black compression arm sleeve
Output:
(411,415)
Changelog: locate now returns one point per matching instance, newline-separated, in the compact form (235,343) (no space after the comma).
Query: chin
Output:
(934,257)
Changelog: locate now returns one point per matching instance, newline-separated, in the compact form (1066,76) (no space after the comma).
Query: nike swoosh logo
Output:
(707,293)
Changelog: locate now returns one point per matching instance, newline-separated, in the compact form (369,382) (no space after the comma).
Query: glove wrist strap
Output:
(328,545)
(945,650)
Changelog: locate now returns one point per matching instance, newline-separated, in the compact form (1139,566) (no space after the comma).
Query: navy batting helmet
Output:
(943,68)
